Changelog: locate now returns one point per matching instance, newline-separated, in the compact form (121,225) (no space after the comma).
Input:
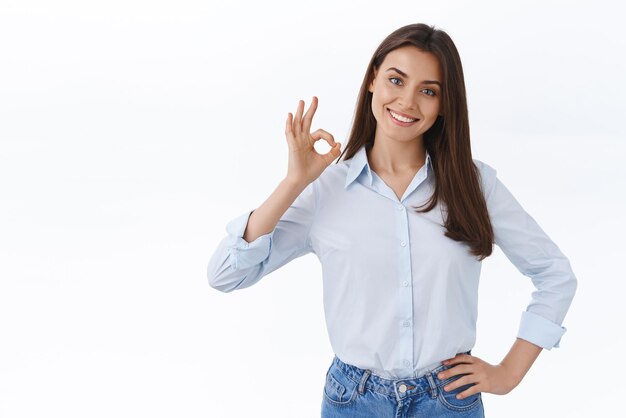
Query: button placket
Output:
(405,309)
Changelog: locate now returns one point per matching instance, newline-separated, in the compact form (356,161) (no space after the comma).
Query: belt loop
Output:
(366,375)
(431,383)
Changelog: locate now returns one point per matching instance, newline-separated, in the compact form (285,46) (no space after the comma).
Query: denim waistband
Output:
(400,388)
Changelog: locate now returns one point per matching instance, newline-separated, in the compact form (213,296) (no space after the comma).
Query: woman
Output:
(400,226)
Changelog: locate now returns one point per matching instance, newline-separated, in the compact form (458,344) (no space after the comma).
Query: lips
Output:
(403,114)
(399,122)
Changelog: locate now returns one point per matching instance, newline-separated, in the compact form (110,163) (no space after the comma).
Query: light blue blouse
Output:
(399,296)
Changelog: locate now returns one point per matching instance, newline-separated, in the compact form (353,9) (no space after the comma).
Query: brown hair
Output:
(447,141)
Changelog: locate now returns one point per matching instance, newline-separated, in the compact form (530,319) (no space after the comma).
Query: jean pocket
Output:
(449,400)
(339,389)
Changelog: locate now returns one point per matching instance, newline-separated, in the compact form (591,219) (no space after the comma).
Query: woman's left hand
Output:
(487,377)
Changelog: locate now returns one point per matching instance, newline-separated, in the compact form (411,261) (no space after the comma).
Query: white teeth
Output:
(401,118)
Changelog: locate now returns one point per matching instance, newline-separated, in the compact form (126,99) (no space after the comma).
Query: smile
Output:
(401,120)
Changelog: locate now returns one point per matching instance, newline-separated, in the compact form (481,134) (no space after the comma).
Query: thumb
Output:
(335,151)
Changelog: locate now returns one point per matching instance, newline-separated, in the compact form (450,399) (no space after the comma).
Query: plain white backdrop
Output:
(132,131)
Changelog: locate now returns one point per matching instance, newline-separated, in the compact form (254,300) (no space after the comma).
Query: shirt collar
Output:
(359,162)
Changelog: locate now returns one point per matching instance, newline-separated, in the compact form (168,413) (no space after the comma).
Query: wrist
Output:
(295,183)
(513,375)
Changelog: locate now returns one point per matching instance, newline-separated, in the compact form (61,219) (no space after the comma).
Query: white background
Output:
(132,131)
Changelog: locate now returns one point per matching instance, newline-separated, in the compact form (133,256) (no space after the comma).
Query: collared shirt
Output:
(399,296)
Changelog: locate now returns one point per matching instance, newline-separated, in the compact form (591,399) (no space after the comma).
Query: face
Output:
(412,89)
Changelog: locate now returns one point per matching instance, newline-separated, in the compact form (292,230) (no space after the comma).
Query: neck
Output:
(395,157)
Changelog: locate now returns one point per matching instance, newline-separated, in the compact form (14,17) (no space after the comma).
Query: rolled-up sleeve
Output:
(237,264)
(536,256)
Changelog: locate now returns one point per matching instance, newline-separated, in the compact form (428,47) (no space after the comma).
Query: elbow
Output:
(221,287)
(219,271)
(569,283)
(218,280)
(574,286)
(225,278)
(226,274)
(214,282)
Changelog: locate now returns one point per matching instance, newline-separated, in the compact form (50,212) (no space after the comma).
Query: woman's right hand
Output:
(305,163)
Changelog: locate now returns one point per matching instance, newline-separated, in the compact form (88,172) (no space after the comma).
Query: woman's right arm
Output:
(264,239)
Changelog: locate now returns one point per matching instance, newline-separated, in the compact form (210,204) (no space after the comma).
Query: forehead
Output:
(414,62)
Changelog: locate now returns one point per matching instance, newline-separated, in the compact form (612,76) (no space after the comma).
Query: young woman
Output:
(400,226)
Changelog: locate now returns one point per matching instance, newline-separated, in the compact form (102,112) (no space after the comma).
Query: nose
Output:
(410,100)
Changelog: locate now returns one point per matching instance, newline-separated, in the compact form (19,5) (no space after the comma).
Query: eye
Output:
(430,92)
(394,78)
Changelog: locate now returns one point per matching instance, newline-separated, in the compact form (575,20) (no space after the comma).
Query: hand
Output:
(487,377)
(305,164)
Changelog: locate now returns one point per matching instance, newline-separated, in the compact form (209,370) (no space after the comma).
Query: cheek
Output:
(384,95)
(378,102)
(431,107)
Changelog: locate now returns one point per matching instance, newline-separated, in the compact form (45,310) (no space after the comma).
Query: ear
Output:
(371,86)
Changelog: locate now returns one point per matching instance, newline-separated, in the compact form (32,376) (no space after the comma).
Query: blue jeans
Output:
(351,392)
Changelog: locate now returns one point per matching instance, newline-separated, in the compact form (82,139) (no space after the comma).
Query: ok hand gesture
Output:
(305,164)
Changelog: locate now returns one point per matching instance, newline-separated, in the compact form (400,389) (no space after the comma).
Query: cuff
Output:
(244,254)
(540,331)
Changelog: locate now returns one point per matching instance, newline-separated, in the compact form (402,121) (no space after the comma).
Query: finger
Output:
(462,381)
(289,135)
(297,122)
(320,133)
(308,117)
(467,392)
(459,358)
(331,155)
(288,130)
(456,370)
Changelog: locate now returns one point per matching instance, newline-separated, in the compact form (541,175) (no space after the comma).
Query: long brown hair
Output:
(456,179)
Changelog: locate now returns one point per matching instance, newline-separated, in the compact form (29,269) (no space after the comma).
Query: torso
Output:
(398,183)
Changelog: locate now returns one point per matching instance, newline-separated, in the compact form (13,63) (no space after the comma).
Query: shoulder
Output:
(334,174)
(484,168)
(487,175)
(331,182)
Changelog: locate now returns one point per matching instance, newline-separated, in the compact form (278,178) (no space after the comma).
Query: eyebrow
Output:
(403,74)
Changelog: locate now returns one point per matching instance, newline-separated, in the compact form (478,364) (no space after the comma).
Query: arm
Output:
(498,379)
(536,256)
(519,359)
(267,238)
(532,252)
(275,233)
(263,220)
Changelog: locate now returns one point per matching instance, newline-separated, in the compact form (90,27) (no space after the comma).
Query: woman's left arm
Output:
(536,256)
(498,379)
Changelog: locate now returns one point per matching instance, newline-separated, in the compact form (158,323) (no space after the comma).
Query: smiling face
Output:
(408,83)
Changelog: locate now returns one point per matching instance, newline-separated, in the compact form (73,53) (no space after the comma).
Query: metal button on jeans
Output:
(402,388)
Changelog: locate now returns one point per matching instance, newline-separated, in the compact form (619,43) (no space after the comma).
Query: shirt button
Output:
(402,388)
(403,243)
(406,323)
(405,283)
(400,207)
(407,363)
